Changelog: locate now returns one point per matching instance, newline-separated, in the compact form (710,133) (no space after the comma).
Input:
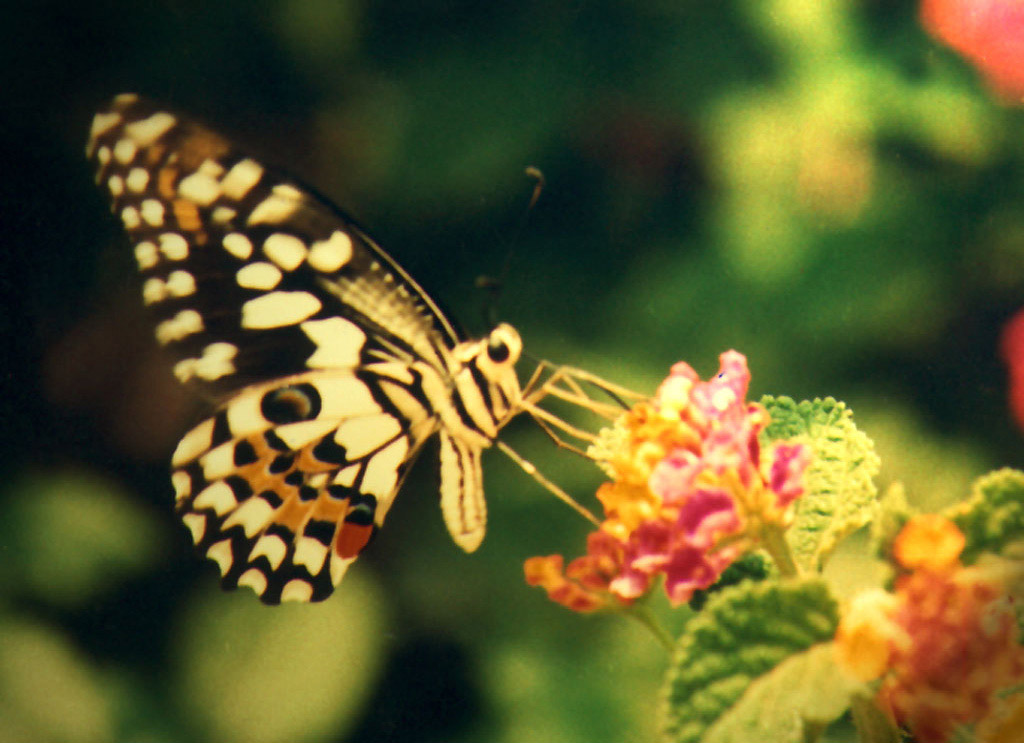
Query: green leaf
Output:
(733,647)
(893,513)
(840,494)
(992,518)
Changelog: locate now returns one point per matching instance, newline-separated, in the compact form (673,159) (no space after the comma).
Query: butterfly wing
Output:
(249,275)
(312,340)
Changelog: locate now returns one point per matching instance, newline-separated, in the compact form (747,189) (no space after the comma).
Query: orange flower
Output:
(946,639)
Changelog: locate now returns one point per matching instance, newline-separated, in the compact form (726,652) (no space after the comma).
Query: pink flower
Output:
(691,490)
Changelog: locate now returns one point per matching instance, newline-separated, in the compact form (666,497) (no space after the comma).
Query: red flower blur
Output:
(1011,347)
(989,33)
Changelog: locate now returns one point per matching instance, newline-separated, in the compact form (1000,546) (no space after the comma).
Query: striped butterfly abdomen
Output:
(329,366)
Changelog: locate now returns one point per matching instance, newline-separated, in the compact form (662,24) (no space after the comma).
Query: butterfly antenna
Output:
(493,285)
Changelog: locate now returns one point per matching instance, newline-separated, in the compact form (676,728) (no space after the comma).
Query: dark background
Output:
(819,185)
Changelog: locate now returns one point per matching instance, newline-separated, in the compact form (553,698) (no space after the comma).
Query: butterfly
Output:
(328,366)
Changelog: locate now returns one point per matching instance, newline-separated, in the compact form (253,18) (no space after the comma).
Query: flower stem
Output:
(643,614)
(774,540)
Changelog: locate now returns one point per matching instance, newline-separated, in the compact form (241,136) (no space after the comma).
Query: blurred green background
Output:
(817,184)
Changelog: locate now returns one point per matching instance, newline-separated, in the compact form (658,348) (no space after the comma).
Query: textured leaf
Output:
(805,690)
(742,635)
(992,518)
(840,495)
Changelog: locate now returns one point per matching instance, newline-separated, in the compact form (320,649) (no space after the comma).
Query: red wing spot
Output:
(351,539)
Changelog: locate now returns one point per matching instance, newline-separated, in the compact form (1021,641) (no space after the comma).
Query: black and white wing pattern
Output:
(330,365)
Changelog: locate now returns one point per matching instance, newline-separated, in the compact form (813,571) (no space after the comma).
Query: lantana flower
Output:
(690,491)
(944,642)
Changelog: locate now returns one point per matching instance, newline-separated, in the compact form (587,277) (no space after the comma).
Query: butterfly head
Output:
(489,365)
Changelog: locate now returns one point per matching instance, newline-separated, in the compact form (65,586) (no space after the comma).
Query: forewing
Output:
(251,276)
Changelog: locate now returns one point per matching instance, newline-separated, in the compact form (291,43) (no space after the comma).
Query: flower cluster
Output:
(690,490)
(944,641)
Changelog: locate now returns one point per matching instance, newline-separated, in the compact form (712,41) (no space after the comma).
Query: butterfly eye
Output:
(297,402)
(497,349)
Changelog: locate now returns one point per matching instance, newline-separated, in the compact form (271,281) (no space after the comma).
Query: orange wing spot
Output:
(155,153)
(187,215)
(166,179)
(351,539)
(308,463)
(201,144)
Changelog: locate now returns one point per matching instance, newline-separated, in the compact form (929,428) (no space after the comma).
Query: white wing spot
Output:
(182,485)
(297,435)
(211,168)
(278,309)
(147,131)
(221,554)
(273,547)
(327,256)
(347,477)
(153,290)
(124,150)
(138,179)
(362,435)
(344,397)
(199,187)
(217,361)
(381,474)
(130,217)
(255,579)
(253,515)
(116,185)
(196,523)
(241,178)
(223,214)
(338,343)
(219,462)
(194,443)
(287,251)
(182,325)
(277,207)
(103,122)
(103,155)
(311,553)
(174,246)
(181,284)
(259,275)
(219,496)
(297,590)
(153,212)
(244,416)
(238,245)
